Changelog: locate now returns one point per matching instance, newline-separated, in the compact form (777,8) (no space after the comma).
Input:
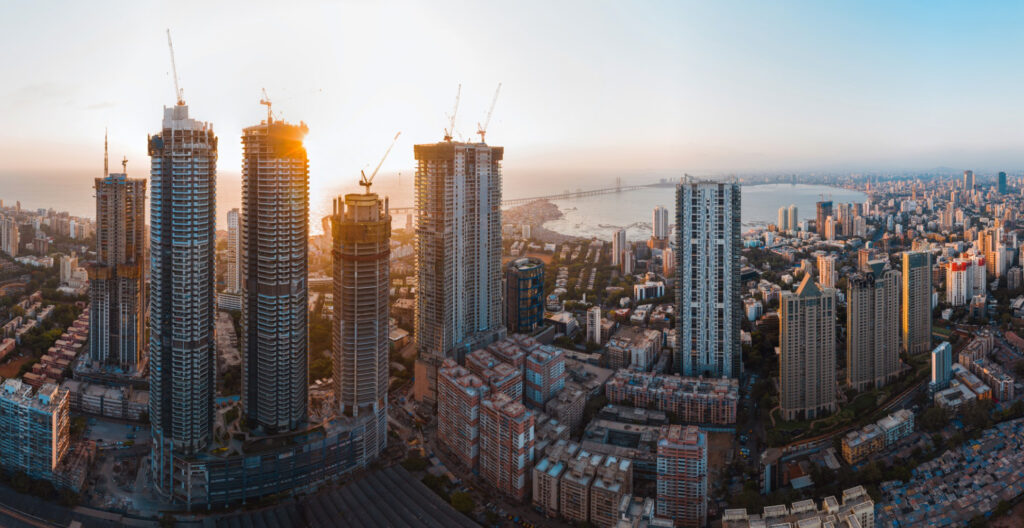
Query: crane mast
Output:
(450,131)
(178,93)
(367,182)
(482,129)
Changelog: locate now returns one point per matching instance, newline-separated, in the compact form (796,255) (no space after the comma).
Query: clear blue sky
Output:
(592,89)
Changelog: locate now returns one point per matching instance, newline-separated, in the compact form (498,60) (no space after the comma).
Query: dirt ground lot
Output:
(1014,519)
(719,445)
(10,369)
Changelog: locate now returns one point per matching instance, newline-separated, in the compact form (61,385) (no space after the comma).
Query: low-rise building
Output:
(694,400)
(857,510)
(633,347)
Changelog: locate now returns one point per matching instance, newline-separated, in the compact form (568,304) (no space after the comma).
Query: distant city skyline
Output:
(695,87)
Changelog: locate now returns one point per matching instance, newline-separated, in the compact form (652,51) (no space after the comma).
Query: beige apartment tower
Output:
(807,359)
(872,328)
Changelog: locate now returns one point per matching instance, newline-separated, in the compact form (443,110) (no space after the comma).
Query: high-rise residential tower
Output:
(708,304)
(783,221)
(968,180)
(827,274)
(1002,182)
(823,210)
(233,273)
(807,352)
(682,475)
(659,224)
(916,317)
(618,246)
(117,294)
(274,270)
(458,247)
(872,328)
(524,294)
(794,219)
(183,205)
(362,234)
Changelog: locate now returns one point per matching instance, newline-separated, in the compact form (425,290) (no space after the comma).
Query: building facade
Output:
(233,260)
(708,307)
(545,376)
(34,428)
(823,210)
(506,445)
(183,187)
(942,367)
(117,295)
(361,229)
(807,357)
(872,328)
(916,320)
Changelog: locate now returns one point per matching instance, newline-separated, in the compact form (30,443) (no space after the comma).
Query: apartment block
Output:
(545,376)
(34,428)
(459,395)
(568,405)
(872,328)
(499,377)
(694,400)
(633,347)
(506,445)
(857,510)
(682,483)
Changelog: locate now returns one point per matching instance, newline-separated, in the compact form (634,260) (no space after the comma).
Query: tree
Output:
(463,502)
(934,419)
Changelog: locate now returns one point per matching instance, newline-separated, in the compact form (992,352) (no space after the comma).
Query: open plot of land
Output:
(11,368)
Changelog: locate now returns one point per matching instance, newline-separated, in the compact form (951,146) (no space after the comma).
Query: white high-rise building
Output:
(594,325)
(458,245)
(660,223)
(708,307)
(872,327)
(783,221)
(9,236)
(232,275)
(794,220)
(618,246)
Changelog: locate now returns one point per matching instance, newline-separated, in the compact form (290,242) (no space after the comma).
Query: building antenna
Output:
(106,169)
(178,93)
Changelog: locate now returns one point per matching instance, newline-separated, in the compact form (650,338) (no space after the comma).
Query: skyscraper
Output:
(783,221)
(682,475)
(917,302)
(807,352)
(183,179)
(458,247)
(274,270)
(117,295)
(872,328)
(10,238)
(524,294)
(362,236)
(794,219)
(708,304)
(618,246)
(660,223)
(942,367)
(969,180)
(1002,182)
(233,273)
(823,210)
(827,274)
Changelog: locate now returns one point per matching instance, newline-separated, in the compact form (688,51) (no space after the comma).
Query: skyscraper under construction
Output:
(361,228)
(116,291)
(274,270)
(458,250)
(183,175)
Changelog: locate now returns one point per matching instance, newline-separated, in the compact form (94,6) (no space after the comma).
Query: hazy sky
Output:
(591,89)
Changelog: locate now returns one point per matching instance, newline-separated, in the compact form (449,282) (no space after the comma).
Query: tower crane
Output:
(448,132)
(367,182)
(179,94)
(265,100)
(482,130)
